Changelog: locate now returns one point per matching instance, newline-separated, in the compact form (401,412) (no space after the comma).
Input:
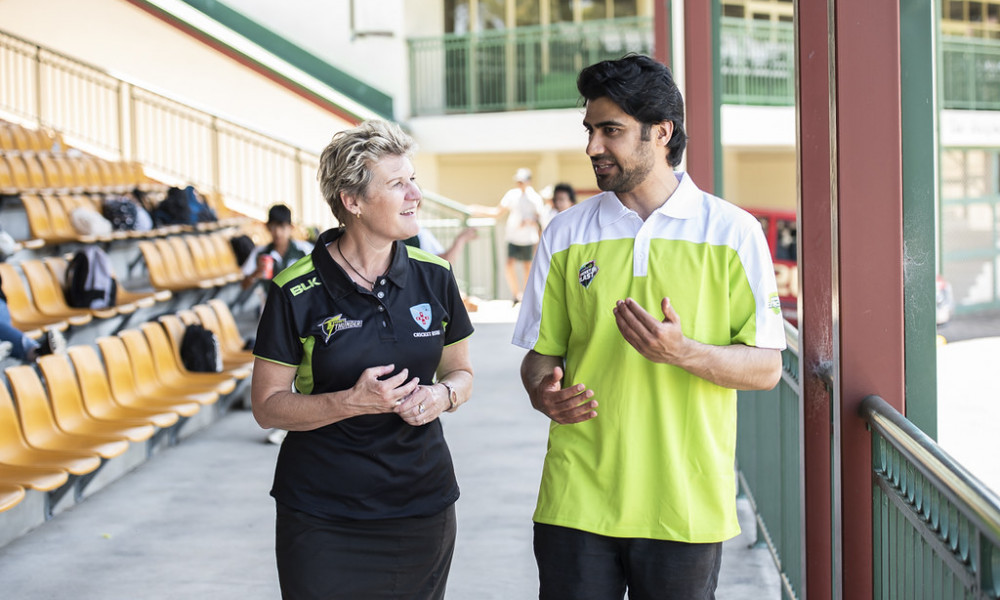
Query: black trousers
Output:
(577,565)
(390,558)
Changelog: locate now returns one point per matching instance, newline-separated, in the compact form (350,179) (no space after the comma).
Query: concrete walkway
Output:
(195,521)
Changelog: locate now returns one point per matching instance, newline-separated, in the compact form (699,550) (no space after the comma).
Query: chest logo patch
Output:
(332,325)
(422,315)
(587,273)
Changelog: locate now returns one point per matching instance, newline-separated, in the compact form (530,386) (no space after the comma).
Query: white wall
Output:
(130,43)
(323,27)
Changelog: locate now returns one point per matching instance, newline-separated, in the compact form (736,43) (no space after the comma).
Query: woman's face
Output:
(389,208)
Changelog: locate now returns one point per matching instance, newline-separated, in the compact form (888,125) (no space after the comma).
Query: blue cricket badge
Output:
(587,274)
(422,314)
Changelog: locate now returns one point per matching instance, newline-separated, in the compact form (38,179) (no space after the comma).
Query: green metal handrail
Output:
(516,69)
(936,527)
(769,467)
(970,73)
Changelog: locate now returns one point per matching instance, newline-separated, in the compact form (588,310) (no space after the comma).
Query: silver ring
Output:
(421,408)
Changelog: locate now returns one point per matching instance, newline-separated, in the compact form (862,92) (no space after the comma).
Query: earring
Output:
(358,214)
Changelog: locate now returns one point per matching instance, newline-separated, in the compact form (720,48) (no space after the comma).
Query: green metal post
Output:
(918,42)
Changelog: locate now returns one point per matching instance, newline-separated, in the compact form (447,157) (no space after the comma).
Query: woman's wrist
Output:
(452,396)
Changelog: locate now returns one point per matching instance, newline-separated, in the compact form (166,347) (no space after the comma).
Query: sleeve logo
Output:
(774,303)
(587,274)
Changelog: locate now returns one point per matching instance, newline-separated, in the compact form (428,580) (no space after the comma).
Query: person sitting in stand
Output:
(267,261)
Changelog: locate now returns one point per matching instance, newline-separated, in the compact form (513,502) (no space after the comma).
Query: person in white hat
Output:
(523,207)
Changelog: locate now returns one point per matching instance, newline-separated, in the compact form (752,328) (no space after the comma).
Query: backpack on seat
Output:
(122,213)
(90,281)
(200,350)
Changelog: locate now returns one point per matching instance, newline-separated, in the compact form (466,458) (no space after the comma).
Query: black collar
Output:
(338,282)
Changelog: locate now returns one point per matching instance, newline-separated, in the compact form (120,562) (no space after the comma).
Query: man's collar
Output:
(681,204)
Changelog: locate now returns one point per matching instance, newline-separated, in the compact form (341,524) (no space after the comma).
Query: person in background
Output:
(649,305)
(362,346)
(523,207)
(563,197)
(270,259)
(426,240)
(559,199)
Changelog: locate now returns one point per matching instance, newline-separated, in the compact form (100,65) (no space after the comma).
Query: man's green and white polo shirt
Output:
(657,462)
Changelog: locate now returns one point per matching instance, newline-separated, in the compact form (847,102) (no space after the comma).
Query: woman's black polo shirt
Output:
(317,320)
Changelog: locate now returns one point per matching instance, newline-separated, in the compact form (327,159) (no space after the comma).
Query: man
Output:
(281,252)
(523,207)
(648,306)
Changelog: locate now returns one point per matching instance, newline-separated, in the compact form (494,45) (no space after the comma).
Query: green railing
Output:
(769,467)
(757,62)
(516,69)
(936,528)
(536,67)
(970,73)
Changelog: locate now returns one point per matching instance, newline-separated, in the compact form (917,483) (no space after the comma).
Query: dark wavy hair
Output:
(644,89)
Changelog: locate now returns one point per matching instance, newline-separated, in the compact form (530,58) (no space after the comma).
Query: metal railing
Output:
(936,528)
(757,62)
(970,73)
(769,467)
(516,69)
(175,143)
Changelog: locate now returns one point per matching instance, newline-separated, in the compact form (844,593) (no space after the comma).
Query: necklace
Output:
(358,273)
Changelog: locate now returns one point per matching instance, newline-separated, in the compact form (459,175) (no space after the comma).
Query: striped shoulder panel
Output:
(301,267)
(425,256)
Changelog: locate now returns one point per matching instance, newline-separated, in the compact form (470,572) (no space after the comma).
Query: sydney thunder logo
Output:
(332,325)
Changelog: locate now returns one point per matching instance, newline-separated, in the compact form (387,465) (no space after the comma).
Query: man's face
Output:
(621,158)
(280,232)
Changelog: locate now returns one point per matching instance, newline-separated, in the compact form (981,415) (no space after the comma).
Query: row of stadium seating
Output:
(93,404)
(15,137)
(50,172)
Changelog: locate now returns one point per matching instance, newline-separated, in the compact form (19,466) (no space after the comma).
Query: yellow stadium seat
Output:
(170,367)
(14,449)
(148,375)
(36,478)
(69,411)
(97,397)
(123,385)
(10,496)
(38,422)
(49,298)
(23,313)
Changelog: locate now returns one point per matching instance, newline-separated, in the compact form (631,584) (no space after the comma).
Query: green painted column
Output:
(918,28)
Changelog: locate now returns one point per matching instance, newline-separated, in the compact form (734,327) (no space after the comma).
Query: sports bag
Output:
(123,214)
(90,281)
(200,350)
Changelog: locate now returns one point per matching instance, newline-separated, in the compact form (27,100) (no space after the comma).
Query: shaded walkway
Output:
(196,521)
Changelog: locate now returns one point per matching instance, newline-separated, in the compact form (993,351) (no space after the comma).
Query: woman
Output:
(347,350)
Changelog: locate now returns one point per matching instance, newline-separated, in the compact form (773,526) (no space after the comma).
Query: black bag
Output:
(243,247)
(173,210)
(90,281)
(200,350)
(122,213)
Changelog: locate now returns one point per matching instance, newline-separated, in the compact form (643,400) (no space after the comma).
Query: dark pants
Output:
(576,565)
(391,558)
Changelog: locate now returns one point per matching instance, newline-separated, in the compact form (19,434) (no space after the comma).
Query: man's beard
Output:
(626,178)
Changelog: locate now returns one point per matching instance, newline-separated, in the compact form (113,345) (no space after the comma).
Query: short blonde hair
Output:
(346,163)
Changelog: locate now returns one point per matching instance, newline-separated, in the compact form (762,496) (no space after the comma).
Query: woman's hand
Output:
(424,404)
(375,396)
